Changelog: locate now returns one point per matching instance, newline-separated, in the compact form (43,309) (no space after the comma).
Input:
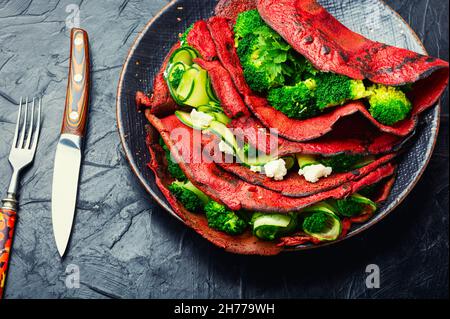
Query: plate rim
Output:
(379,217)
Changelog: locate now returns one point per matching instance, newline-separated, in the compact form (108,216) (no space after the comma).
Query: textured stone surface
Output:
(125,245)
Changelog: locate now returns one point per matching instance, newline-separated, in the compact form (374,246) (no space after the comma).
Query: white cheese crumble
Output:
(200,119)
(313,173)
(276,169)
(256,169)
(224,147)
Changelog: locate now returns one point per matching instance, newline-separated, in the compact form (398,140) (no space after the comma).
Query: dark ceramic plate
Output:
(372,18)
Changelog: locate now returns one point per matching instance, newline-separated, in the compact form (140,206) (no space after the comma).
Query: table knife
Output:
(69,149)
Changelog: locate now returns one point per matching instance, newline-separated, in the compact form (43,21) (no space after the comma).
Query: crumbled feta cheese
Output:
(200,119)
(313,173)
(256,169)
(276,169)
(224,147)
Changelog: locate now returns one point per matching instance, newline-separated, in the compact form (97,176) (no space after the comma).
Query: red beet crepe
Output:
(234,192)
(330,46)
(245,243)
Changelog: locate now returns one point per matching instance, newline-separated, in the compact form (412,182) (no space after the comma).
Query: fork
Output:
(21,155)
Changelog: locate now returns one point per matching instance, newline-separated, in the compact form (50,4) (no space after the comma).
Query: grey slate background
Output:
(126,246)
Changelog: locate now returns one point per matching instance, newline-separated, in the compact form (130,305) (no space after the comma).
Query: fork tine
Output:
(38,126)
(16,132)
(24,125)
(30,127)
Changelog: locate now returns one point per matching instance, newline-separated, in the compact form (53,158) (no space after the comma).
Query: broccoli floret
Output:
(246,23)
(220,218)
(388,105)
(176,77)
(183,37)
(259,79)
(268,61)
(245,45)
(265,58)
(315,223)
(193,199)
(341,162)
(348,207)
(354,205)
(334,89)
(295,101)
(174,169)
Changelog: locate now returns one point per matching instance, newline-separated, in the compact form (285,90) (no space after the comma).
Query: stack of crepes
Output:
(320,173)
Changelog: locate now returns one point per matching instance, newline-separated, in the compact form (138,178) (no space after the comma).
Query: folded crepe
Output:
(237,194)
(354,139)
(330,47)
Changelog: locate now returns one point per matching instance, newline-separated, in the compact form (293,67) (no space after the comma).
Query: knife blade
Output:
(68,155)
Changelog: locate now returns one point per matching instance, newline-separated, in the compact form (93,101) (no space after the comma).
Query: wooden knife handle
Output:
(77,98)
(8,219)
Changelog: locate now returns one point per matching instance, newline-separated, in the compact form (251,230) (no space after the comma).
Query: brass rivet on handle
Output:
(78,40)
(73,116)
(78,78)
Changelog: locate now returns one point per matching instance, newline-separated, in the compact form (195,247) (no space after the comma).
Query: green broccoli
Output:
(245,46)
(193,199)
(348,207)
(339,163)
(315,223)
(183,37)
(342,162)
(334,89)
(174,169)
(354,205)
(388,105)
(176,77)
(295,101)
(321,222)
(267,59)
(246,23)
(220,218)
(264,59)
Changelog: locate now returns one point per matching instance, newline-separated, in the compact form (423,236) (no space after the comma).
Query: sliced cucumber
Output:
(290,161)
(185,118)
(206,109)
(305,160)
(192,51)
(210,107)
(365,201)
(334,226)
(259,160)
(364,162)
(221,117)
(272,226)
(222,131)
(209,90)
(185,55)
(196,66)
(173,68)
(189,186)
(198,95)
(186,87)
(168,75)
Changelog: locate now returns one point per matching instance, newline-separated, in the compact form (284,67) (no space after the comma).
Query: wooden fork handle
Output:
(8,219)
(77,96)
